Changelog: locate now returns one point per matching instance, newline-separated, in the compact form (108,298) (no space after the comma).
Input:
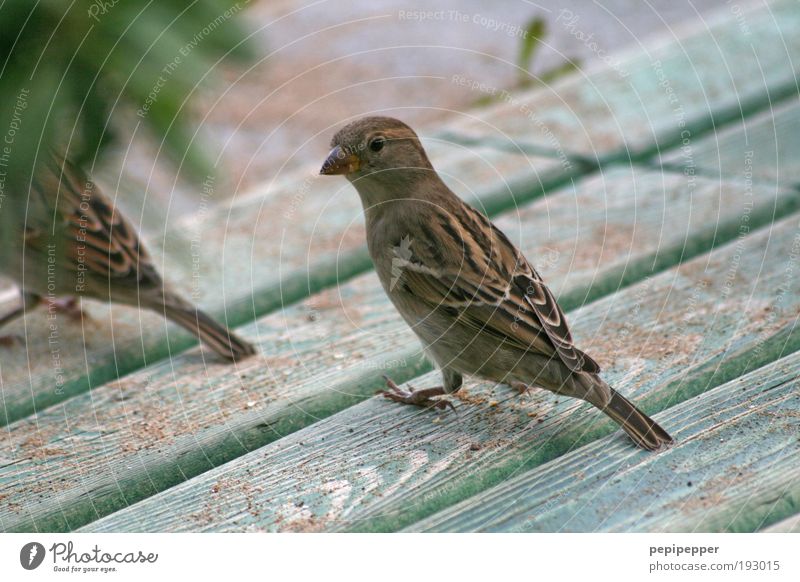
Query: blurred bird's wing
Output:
(92,233)
(492,288)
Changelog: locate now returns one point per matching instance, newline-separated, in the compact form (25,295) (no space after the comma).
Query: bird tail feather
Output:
(219,338)
(644,431)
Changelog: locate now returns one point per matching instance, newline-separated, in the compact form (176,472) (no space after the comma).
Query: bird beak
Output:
(340,162)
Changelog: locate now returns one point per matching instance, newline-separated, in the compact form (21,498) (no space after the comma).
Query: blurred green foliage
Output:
(534,33)
(66,67)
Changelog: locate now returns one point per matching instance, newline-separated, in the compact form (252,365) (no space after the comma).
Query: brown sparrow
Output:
(474,301)
(74,242)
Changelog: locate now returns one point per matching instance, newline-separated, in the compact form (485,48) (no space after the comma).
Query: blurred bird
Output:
(74,242)
(474,301)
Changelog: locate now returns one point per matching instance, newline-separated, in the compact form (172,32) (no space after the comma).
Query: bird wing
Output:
(492,289)
(95,235)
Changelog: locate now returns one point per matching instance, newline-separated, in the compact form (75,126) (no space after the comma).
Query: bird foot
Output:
(416,397)
(11,340)
(521,388)
(68,306)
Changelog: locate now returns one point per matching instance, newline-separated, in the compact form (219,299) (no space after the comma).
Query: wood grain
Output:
(763,147)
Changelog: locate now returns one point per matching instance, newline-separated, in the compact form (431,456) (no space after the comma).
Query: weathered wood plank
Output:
(789,525)
(575,237)
(762,147)
(380,466)
(267,249)
(717,70)
(736,467)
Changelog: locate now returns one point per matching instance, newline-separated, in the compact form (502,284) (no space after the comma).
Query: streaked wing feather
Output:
(505,296)
(530,288)
(98,237)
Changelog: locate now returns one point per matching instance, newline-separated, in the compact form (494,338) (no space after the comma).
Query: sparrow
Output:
(75,243)
(476,304)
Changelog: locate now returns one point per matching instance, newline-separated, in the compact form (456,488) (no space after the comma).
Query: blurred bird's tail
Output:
(219,338)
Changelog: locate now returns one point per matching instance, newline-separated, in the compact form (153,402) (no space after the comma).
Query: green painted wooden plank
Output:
(789,525)
(736,467)
(380,466)
(762,147)
(265,250)
(662,93)
(580,238)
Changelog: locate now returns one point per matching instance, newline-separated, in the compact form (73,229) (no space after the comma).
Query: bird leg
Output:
(12,315)
(520,387)
(416,397)
(29,301)
(69,306)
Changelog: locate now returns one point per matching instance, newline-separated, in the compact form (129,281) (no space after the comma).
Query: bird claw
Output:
(413,398)
(420,398)
(521,388)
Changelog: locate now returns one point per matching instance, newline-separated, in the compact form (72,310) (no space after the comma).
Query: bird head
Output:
(375,150)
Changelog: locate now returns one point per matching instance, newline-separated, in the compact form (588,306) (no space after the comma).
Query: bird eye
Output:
(377,144)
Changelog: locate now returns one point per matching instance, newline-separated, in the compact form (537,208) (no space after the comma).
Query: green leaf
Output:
(534,31)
